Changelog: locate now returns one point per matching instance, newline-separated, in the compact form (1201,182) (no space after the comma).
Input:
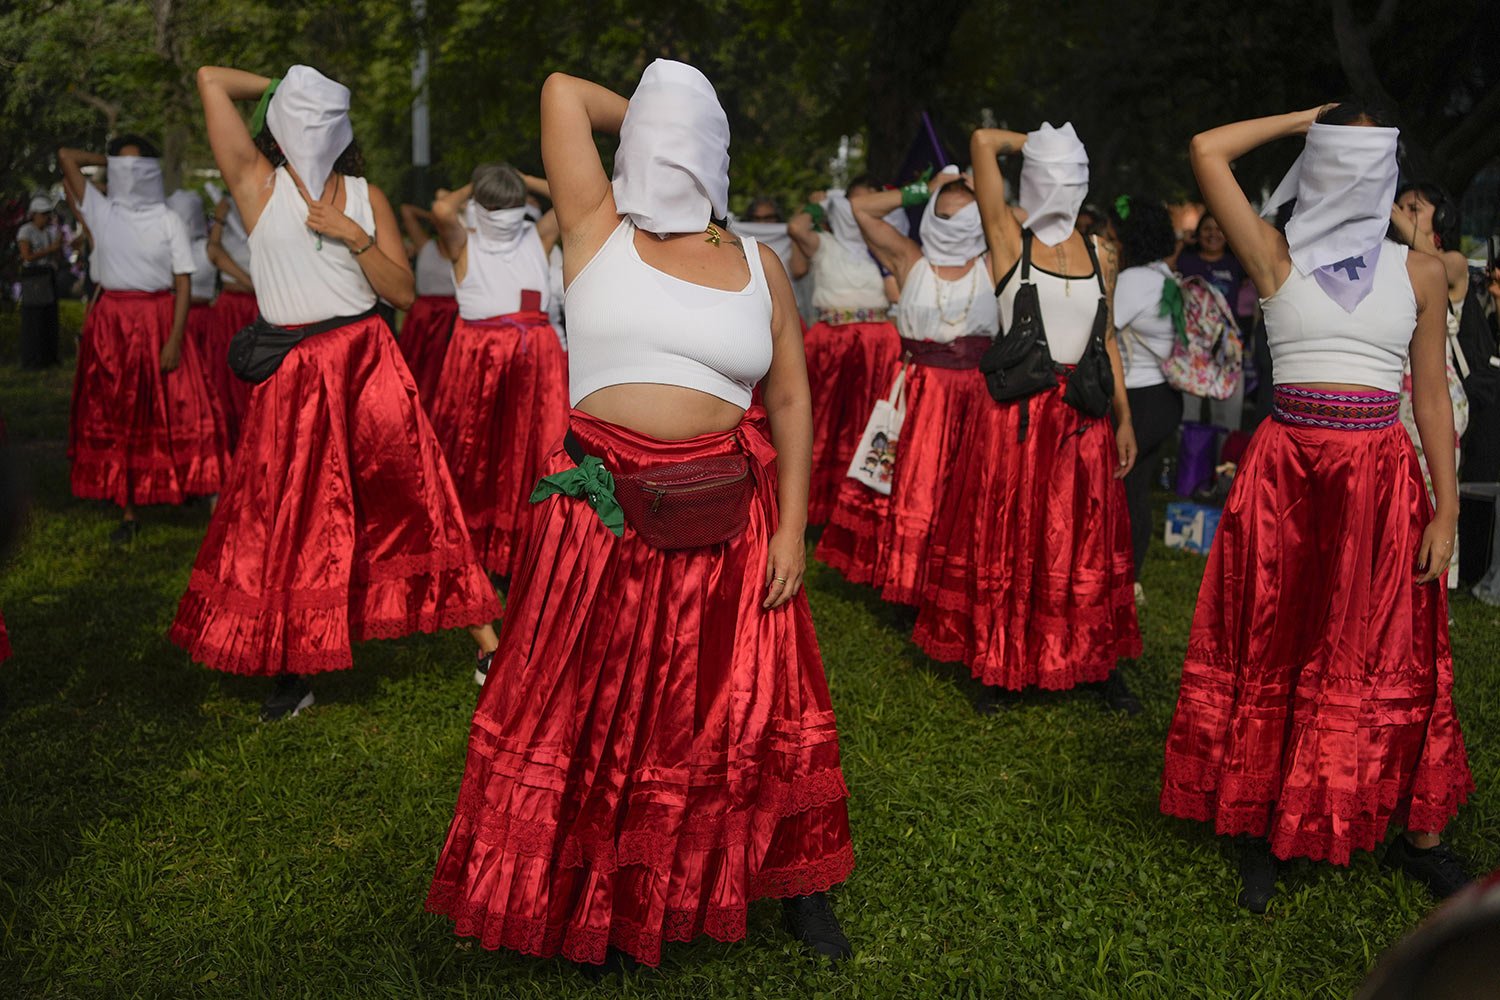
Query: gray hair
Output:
(498,185)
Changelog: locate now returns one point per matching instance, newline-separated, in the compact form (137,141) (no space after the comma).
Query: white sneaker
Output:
(1140,595)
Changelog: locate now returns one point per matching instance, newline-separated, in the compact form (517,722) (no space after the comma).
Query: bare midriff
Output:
(1332,387)
(669,412)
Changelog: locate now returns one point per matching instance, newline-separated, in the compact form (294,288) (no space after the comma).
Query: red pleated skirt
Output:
(4,641)
(339,521)
(425,334)
(139,435)
(882,540)
(232,312)
(1316,701)
(500,412)
(849,367)
(1030,578)
(655,750)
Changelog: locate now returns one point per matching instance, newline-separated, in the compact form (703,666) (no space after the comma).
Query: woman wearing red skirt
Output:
(502,403)
(1029,577)
(947,318)
(339,521)
(143,428)
(427,328)
(234,309)
(852,349)
(1316,702)
(662,751)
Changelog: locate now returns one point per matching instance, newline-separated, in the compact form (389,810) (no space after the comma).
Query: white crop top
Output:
(845,280)
(295,281)
(1068,306)
(1312,338)
(493,282)
(629,322)
(433,272)
(941,311)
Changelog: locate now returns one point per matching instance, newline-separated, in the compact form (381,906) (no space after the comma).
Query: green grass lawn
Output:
(157,841)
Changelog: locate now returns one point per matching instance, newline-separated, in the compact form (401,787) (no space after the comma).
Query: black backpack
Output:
(1019,363)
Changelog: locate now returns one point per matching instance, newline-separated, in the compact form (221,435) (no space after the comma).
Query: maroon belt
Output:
(964,352)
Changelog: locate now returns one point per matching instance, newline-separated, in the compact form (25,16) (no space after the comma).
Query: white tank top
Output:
(1068,306)
(493,281)
(205,275)
(941,311)
(629,322)
(433,272)
(295,281)
(843,280)
(1313,339)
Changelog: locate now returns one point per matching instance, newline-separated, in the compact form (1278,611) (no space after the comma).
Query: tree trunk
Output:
(908,46)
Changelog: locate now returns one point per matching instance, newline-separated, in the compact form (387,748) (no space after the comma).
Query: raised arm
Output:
(1256,243)
(537,186)
(895,251)
(572,111)
(448,219)
(803,227)
(72,162)
(548,231)
(412,219)
(244,169)
(217,255)
(1002,230)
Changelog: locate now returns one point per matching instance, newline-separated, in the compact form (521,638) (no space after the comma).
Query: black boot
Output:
(1257,874)
(812,921)
(290,696)
(1118,697)
(1435,867)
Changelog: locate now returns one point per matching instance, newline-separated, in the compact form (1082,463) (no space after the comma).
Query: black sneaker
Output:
(1437,868)
(1257,874)
(811,921)
(616,963)
(482,666)
(125,533)
(1118,697)
(290,696)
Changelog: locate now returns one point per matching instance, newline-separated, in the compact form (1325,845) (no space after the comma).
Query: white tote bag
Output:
(874,461)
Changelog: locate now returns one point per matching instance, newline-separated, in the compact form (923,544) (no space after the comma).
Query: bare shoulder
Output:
(1429,278)
(771,262)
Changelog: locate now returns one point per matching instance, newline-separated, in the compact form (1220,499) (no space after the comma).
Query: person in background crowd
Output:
(1315,709)
(234,309)
(201,326)
(144,429)
(427,328)
(40,242)
(1211,259)
(762,221)
(1146,318)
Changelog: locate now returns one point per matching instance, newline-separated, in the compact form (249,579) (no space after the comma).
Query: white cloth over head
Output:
(955,240)
(499,230)
(1344,181)
(40,203)
(672,165)
(135,182)
(309,116)
(840,215)
(1054,181)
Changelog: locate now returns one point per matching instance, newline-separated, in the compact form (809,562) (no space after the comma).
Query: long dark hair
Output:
(140,142)
(1447,223)
(1357,111)
(351,161)
(1145,230)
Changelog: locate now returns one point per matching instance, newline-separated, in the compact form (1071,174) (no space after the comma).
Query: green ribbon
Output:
(1122,207)
(1171,305)
(812,208)
(590,481)
(258,119)
(916,194)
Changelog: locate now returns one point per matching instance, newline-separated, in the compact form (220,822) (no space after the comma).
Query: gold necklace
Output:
(714,236)
(1062,271)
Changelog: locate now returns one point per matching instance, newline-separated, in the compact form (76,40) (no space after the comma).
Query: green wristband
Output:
(815,210)
(915,194)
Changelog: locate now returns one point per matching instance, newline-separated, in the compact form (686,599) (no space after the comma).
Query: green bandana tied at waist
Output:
(590,481)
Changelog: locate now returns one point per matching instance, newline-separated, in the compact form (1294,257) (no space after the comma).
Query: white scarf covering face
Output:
(309,116)
(499,231)
(672,165)
(840,215)
(188,206)
(955,240)
(1054,181)
(1345,183)
(135,182)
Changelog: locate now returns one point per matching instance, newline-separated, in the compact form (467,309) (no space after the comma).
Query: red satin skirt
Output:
(882,540)
(139,435)
(339,521)
(849,367)
(4,641)
(655,751)
(1030,575)
(232,312)
(500,411)
(1316,701)
(425,334)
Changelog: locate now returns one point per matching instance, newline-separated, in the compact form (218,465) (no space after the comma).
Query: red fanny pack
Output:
(685,505)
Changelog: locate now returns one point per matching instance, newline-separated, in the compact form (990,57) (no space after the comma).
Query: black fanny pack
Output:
(258,350)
